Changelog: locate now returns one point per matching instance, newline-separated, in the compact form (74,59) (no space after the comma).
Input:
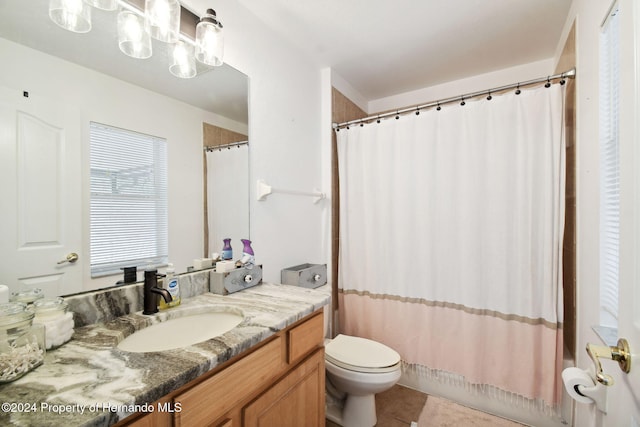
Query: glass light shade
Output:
(103,4)
(209,40)
(162,19)
(132,37)
(72,15)
(183,63)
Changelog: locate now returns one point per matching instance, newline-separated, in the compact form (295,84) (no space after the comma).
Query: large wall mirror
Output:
(210,110)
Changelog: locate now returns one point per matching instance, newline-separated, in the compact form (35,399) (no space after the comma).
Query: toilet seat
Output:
(361,355)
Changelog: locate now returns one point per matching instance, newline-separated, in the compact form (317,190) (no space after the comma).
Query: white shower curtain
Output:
(227,202)
(451,226)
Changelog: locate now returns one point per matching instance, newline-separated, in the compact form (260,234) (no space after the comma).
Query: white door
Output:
(623,397)
(40,184)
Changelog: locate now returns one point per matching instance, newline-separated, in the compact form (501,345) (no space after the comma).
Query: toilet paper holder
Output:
(619,353)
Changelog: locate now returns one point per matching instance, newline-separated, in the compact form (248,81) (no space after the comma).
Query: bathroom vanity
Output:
(279,383)
(267,369)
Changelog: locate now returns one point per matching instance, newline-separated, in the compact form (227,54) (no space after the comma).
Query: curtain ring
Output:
(518,89)
(417,111)
(438,108)
(397,115)
(548,83)
(489,97)
(378,121)
(462,102)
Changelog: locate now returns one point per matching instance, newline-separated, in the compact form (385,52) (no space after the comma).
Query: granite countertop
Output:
(89,382)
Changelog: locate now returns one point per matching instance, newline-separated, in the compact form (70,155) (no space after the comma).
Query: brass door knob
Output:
(619,353)
(71,258)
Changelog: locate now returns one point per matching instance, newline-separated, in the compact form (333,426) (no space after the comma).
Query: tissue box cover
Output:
(305,275)
(235,280)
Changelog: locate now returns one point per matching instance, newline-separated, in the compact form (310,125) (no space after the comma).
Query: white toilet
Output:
(357,369)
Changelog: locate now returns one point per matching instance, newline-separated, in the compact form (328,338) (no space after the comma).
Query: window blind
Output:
(129,224)
(609,170)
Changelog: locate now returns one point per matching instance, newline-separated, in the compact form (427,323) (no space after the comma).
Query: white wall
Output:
(285,129)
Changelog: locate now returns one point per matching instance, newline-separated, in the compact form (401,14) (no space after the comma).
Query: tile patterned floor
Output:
(399,406)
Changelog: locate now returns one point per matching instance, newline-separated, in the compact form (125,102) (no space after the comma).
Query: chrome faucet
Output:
(151,289)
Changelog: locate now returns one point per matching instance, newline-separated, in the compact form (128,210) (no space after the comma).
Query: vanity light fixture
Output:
(209,39)
(189,36)
(162,19)
(183,61)
(72,15)
(133,39)
(103,4)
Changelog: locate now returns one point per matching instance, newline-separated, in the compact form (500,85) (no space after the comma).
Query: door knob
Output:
(71,258)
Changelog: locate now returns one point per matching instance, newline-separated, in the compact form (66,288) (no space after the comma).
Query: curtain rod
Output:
(229,145)
(567,74)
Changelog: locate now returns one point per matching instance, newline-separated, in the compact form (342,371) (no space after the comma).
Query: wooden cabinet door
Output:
(214,397)
(296,400)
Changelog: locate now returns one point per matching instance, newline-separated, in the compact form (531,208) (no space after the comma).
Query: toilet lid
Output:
(360,354)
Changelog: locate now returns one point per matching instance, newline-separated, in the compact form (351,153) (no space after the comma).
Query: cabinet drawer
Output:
(303,338)
(206,401)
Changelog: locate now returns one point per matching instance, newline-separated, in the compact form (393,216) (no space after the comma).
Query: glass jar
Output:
(58,327)
(49,308)
(22,345)
(28,297)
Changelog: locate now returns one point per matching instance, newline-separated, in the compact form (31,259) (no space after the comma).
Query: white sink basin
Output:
(181,332)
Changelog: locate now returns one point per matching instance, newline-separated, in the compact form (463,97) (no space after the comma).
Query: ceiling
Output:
(384,47)
(222,90)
